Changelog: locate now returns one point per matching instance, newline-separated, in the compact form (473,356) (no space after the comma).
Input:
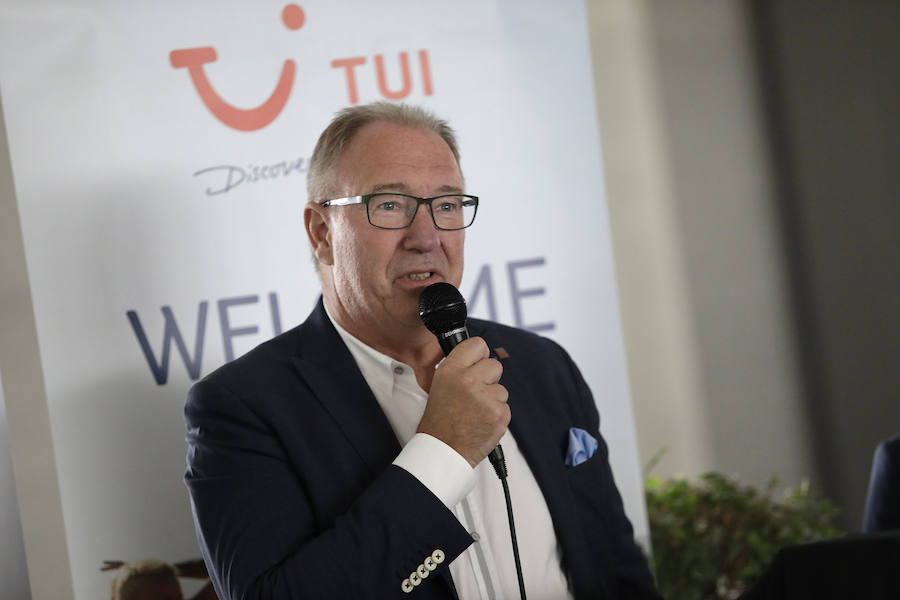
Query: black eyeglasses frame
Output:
(366,198)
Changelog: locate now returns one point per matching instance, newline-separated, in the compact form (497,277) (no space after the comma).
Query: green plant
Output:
(714,538)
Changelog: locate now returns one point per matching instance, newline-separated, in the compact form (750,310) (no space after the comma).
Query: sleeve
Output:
(262,534)
(439,467)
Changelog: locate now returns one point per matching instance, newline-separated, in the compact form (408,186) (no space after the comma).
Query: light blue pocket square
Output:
(582,446)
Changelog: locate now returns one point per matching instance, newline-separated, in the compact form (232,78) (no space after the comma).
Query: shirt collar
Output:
(377,368)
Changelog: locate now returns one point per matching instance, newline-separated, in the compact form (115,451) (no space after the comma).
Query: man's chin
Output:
(408,316)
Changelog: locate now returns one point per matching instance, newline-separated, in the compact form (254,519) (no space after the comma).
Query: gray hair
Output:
(349,121)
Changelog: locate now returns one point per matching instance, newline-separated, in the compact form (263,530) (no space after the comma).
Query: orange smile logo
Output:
(242,119)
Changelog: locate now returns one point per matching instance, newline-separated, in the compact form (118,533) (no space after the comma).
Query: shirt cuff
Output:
(438,467)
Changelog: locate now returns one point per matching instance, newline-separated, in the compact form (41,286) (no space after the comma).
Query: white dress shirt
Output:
(486,570)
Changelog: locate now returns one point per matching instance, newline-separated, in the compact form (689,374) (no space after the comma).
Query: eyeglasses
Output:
(397,211)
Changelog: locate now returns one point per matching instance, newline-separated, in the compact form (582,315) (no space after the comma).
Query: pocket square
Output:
(582,446)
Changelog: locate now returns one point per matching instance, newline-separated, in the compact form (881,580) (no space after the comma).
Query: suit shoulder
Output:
(267,360)
(892,444)
(888,451)
(538,367)
(508,337)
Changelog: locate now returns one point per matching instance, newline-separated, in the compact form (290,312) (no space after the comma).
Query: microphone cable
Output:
(498,461)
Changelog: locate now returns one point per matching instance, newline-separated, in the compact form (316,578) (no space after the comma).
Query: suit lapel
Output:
(327,366)
(542,452)
(337,383)
(532,431)
(534,437)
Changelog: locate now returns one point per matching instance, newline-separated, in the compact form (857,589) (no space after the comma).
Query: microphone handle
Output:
(448,341)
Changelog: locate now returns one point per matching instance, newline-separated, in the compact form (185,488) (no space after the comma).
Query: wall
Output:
(654,300)
(13,570)
(32,473)
(831,84)
(751,155)
(701,279)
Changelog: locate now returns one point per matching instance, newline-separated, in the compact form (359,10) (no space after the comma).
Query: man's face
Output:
(377,274)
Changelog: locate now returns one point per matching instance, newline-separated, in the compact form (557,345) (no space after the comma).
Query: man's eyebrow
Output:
(403,188)
(388,187)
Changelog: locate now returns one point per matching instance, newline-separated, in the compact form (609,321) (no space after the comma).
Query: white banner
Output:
(159,155)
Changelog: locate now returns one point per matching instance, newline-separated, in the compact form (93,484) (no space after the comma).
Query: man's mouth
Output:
(420,276)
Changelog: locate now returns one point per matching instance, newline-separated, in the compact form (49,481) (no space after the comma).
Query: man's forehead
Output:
(386,156)
(384,137)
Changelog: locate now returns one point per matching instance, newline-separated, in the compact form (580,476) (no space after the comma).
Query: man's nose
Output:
(421,234)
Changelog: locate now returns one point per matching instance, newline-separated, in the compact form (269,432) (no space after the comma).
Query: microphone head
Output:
(442,308)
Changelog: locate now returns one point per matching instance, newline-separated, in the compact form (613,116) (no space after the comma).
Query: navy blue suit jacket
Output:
(883,500)
(294,494)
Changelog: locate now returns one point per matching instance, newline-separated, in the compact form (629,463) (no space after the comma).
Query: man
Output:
(344,458)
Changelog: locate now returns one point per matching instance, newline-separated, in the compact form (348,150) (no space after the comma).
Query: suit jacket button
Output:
(429,563)
(406,586)
(414,578)
(438,556)
(422,572)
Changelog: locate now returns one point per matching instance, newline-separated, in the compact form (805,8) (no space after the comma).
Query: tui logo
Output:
(242,119)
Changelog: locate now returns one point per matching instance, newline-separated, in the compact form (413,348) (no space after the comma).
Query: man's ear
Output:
(318,232)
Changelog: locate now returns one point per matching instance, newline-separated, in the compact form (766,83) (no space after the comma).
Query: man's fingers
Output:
(467,406)
(468,352)
(499,393)
(487,370)
(472,357)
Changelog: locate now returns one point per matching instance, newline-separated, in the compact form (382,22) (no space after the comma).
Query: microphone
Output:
(443,311)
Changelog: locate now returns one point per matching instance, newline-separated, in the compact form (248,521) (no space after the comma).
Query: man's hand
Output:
(467,407)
